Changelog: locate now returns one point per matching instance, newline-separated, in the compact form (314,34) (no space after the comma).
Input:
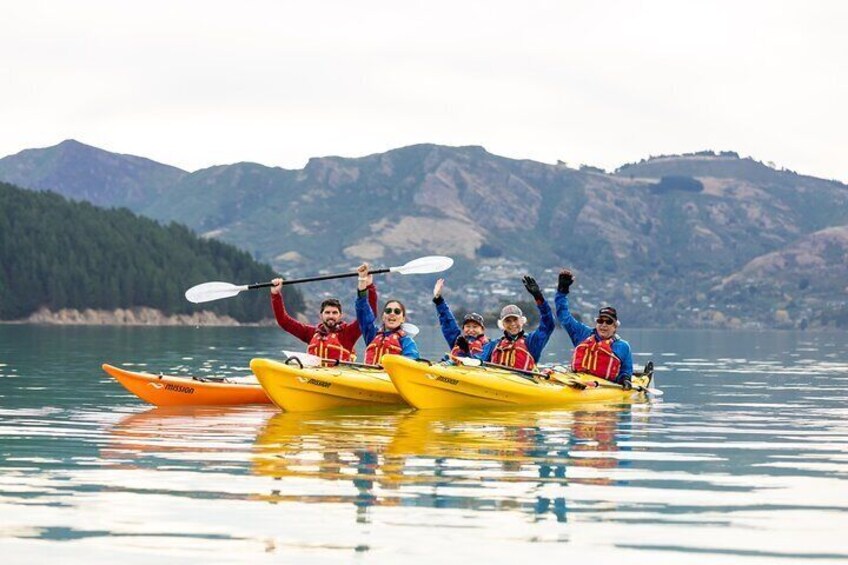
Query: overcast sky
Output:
(200,83)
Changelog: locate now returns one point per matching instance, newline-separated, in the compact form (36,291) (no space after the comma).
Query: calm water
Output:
(745,460)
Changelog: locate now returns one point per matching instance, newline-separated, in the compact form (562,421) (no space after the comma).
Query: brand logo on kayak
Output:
(318,382)
(173,388)
(447,380)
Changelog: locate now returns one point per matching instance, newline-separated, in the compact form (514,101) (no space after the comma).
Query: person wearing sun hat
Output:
(517,349)
(599,350)
(470,338)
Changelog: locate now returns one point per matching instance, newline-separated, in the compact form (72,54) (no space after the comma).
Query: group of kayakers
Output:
(598,350)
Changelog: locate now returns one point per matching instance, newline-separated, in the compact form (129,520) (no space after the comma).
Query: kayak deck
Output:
(455,386)
(166,390)
(303,389)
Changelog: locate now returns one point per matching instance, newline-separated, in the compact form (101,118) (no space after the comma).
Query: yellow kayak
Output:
(457,386)
(303,389)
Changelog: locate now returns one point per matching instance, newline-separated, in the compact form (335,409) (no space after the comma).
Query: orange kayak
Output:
(164,390)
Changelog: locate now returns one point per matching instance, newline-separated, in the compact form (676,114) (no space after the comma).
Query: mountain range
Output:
(704,239)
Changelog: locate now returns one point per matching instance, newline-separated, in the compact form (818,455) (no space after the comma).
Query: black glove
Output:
(626,384)
(533,288)
(462,344)
(565,280)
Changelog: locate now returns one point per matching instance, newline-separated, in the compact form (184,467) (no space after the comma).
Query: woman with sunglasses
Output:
(597,351)
(387,336)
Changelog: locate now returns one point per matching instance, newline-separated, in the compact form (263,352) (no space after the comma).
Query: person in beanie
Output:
(517,349)
(599,350)
(469,340)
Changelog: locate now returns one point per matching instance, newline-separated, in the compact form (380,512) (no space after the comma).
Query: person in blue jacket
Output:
(471,338)
(599,350)
(517,349)
(388,336)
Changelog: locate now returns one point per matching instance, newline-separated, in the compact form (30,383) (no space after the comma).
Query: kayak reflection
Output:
(185,437)
(481,460)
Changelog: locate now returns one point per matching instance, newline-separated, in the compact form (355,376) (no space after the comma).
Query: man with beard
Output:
(331,338)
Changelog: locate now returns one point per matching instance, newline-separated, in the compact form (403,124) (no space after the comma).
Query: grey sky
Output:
(198,83)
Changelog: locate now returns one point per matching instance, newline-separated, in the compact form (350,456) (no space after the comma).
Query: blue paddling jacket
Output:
(579,332)
(450,327)
(535,340)
(370,327)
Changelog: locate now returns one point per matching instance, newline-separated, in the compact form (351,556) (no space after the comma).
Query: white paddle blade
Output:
(306,359)
(425,265)
(468,361)
(411,329)
(210,291)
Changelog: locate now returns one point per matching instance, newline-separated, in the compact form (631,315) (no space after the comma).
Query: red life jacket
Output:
(513,353)
(326,345)
(475,347)
(595,356)
(382,344)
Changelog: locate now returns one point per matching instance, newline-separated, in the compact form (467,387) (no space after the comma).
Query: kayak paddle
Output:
(207,292)
(574,383)
(529,375)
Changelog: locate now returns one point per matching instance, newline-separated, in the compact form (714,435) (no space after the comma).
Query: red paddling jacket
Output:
(335,344)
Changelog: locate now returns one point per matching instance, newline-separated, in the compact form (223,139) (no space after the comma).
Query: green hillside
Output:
(671,240)
(56,253)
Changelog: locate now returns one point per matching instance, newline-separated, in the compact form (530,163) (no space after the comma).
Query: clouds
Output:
(201,83)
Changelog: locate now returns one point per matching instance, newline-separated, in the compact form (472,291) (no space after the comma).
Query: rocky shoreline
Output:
(128,317)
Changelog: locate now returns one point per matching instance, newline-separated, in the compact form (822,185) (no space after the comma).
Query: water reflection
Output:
(476,460)
(744,461)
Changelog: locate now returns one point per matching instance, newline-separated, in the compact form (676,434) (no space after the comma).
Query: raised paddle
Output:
(207,292)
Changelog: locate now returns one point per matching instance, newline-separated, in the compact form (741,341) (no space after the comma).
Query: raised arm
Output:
(365,316)
(301,331)
(447,321)
(577,331)
(538,339)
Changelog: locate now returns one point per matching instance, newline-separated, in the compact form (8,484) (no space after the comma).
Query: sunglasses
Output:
(390,310)
(606,321)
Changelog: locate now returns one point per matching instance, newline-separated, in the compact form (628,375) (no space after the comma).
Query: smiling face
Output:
(331,316)
(472,329)
(393,315)
(605,327)
(512,324)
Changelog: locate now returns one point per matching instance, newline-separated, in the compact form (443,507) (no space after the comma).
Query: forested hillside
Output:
(57,254)
(708,239)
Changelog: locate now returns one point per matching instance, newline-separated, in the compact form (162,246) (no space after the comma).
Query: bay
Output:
(743,460)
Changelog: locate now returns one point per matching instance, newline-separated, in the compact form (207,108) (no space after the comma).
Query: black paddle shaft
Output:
(319,278)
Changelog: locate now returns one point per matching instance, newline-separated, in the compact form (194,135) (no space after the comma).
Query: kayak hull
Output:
(165,390)
(448,386)
(306,389)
